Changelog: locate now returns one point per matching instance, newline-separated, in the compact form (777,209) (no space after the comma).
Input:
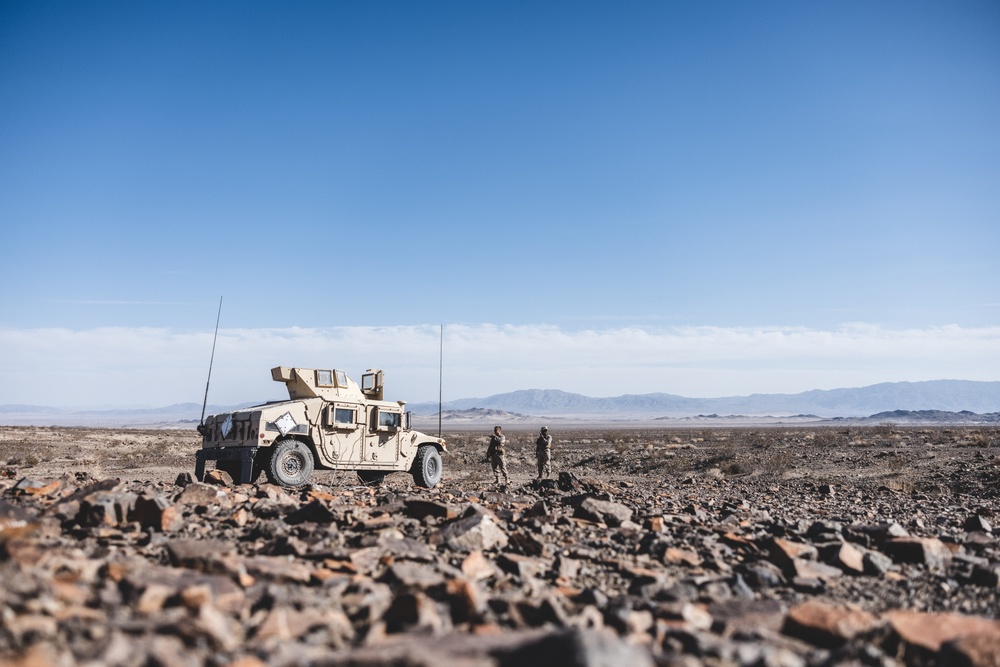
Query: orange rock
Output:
(826,625)
(849,558)
(44,490)
(320,495)
(322,575)
(467,600)
(487,629)
(931,630)
(155,512)
(785,552)
(808,569)
(216,478)
(41,654)
(339,565)
(677,556)
(246,661)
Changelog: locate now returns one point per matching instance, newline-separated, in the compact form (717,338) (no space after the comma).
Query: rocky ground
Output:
(755,547)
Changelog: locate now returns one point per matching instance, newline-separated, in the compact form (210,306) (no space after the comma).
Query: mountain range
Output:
(945,395)
(935,395)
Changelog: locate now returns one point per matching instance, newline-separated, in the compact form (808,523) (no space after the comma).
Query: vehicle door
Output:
(382,440)
(344,428)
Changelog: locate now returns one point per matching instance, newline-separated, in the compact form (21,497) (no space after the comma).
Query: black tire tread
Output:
(277,474)
(422,476)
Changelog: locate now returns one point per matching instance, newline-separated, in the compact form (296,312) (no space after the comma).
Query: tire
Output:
(427,467)
(291,464)
(371,477)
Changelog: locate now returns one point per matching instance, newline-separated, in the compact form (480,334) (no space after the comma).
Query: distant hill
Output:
(481,415)
(888,401)
(178,415)
(934,417)
(945,395)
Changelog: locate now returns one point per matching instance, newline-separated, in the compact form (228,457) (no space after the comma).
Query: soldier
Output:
(496,455)
(543,452)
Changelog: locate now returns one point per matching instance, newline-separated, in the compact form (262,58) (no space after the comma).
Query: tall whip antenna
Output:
(440,380)
(211,362)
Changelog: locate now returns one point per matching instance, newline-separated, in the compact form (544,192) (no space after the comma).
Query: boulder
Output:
(477,531)
(827,625)
(603,511)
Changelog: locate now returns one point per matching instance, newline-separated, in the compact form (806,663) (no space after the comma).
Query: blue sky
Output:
(698,198)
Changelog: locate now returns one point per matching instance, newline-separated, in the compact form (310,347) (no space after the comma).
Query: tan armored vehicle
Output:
(328,422)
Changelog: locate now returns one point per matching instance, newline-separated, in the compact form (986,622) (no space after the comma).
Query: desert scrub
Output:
(881,434)
(141,458)
(982,438)
(737,468)
(900,482)
(664,461)
(23,453)
(774,464)
(759,439)
(133,460)
(719,458)
(828,437)
(769,465)
(27,461)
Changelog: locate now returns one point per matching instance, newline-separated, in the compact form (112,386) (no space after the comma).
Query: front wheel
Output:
(291,464)
(427,467)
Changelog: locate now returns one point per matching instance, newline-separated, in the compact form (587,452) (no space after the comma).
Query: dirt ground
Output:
(961,459)
(681,547)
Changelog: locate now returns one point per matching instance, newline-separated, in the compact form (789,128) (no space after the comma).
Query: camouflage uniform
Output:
(496,455)
(543,453)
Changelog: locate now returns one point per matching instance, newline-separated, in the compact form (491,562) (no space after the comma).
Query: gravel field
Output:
(766,547)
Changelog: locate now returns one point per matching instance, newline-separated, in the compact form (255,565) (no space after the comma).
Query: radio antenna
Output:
(440,379)
(211,362)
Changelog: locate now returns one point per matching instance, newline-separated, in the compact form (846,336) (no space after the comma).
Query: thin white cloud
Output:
(119,302)
(151,366)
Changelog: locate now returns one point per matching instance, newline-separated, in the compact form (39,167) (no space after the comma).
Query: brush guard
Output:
(242,457)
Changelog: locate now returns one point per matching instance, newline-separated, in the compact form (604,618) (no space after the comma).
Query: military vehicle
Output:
(328,422)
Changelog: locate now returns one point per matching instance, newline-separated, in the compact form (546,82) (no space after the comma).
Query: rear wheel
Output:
(291,464)
(371,477)
(427,466)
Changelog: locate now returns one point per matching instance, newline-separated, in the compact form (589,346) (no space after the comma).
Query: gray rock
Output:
(106,508)
(475,532)
(928,551)
(576,648)
(603,511)
(977,522)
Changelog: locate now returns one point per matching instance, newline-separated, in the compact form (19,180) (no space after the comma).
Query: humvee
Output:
(328,422)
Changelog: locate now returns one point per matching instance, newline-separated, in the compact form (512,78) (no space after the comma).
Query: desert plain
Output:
(793,546)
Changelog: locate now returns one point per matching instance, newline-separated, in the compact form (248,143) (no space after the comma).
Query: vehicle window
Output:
(390,419)
(324,378)
(341,378)
(343,416)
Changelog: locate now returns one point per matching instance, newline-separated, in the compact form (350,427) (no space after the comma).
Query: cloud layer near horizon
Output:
(155,367)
